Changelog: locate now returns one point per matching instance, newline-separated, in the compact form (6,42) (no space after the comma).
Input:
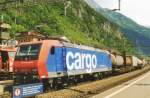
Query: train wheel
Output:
(46,84)
(57,84)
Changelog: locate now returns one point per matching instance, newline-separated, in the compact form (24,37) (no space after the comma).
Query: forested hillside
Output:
(137,34)
(80,23)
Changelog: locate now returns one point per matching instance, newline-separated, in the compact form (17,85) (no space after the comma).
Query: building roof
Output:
(5,26)
(30,33)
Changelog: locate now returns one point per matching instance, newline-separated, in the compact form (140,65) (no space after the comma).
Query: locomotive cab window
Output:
(30,52)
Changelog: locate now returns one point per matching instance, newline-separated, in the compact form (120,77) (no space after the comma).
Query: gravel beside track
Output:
(89,89)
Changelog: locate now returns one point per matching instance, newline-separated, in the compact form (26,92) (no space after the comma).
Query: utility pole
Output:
(124,55)
(119,6)
(2,18)
(66,5)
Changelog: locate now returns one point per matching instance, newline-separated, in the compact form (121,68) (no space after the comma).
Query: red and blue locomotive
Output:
(56,61)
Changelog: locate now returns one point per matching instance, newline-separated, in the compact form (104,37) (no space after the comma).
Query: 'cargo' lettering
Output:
(77,61)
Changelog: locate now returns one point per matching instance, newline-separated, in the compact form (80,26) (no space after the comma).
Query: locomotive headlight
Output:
(15,70)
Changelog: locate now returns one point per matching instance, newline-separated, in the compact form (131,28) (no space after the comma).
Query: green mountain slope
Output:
(82,24)
(137,34)
(126,22)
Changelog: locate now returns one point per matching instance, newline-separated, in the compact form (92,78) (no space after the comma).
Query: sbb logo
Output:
(78,61)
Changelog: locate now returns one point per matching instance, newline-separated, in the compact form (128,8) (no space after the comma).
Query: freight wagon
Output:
(125,63)
(134,61)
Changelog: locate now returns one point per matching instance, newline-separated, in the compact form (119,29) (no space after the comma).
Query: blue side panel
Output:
(78,61)
(55,62)
(87,61)
(51,63)
(59,59)
(103,60)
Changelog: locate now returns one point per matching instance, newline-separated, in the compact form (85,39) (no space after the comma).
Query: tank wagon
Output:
(125,63)
(134,61)
(118,62)
(57,62)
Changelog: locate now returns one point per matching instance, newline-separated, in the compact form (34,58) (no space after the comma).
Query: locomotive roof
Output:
(68,44)
(83,47)
(33,42)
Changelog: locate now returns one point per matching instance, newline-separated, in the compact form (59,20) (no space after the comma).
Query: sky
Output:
(138,10)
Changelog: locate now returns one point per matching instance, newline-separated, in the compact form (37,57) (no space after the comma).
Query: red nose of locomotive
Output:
(25,66)
(26,59)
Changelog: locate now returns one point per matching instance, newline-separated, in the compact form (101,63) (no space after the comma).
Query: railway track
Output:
(91,88)
(6,87)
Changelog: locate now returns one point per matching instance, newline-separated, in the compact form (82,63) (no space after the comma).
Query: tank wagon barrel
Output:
(130,62)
